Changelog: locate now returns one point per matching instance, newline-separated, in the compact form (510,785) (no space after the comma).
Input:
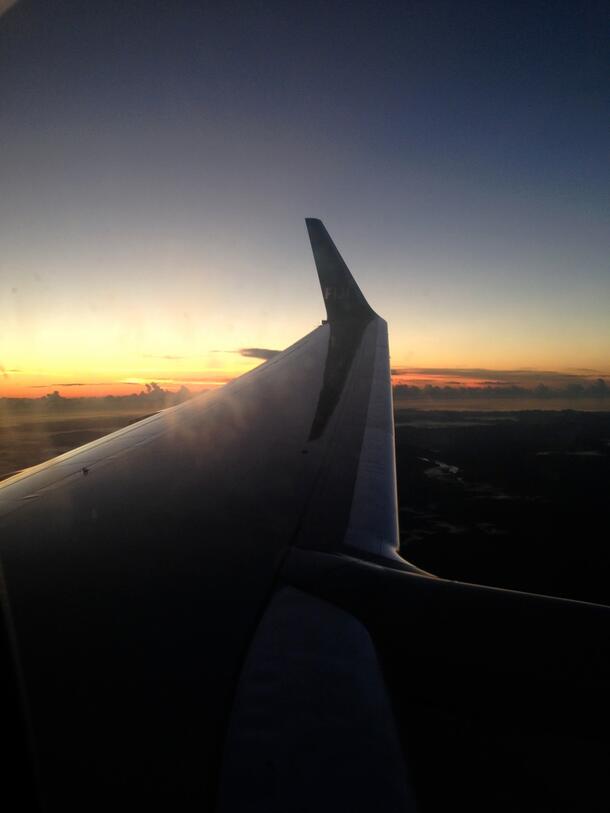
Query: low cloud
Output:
(151,398)
(484,377)
(485,372)
(432,387)
(73,384)
(597,390)
(257,352)
(5,372)
(213,379)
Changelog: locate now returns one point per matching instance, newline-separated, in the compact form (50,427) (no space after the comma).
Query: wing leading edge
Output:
(336,380)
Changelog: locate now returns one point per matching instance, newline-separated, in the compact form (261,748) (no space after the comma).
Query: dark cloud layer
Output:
(598,390)
(499,376)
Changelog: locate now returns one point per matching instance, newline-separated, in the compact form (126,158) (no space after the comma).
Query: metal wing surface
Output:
(137,566)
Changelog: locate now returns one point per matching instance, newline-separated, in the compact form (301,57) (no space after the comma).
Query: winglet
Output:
(342,296)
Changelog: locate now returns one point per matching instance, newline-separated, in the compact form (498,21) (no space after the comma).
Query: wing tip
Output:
(342,296)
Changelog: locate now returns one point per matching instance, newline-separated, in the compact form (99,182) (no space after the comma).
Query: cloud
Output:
(588,370)
(599,389)
(253,352)
(46,386)
(212,379)
(483,377)
(74,384)
(257,352)
(151,398)
(6,371)
(484,372)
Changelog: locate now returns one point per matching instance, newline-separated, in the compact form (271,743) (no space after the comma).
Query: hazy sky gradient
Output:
(158,160)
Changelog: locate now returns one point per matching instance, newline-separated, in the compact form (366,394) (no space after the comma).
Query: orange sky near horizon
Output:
(15,383)
(189,330)
(173,373)
(179,318)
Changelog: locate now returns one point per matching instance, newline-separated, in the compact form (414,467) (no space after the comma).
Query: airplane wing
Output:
(207,609)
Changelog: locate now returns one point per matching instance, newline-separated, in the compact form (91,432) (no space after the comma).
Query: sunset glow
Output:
(152,214)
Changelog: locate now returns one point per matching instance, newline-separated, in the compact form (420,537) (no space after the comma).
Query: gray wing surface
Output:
(302,447)
(135,562)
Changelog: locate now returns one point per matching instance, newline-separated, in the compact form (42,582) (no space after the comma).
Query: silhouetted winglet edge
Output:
(342,296)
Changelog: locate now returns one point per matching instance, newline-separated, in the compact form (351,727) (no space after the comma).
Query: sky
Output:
(158,159)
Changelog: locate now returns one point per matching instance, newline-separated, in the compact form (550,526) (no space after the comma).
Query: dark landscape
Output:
(27,442)
(511,499)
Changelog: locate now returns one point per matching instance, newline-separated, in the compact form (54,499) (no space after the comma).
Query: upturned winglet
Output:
(342,296)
